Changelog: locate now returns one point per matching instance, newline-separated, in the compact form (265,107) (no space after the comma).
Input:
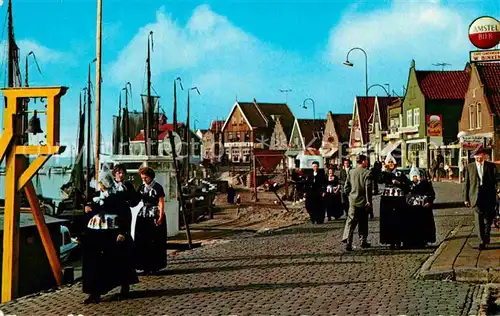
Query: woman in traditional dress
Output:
(420,228)
(150,227)
(107,242)
(333,199)
(393,204)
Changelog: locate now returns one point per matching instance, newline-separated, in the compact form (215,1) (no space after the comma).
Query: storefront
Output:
(416,153)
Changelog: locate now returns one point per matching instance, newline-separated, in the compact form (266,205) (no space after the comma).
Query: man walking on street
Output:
(480,193)
(359,188)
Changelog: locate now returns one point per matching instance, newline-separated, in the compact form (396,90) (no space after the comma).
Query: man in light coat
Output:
(480,194)
(359,189)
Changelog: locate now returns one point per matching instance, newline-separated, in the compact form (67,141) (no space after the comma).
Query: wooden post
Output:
(10,262)
(286,176)
(47,242)
(98,90)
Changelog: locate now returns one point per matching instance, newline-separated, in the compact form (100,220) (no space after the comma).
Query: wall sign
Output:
(484,32)
(434,124)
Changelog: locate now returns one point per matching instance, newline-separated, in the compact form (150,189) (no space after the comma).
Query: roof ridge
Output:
(260,112)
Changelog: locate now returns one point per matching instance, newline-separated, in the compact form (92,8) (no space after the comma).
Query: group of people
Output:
(111,255)
(406,216)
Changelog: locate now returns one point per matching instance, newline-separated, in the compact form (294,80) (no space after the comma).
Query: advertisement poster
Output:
(434,124)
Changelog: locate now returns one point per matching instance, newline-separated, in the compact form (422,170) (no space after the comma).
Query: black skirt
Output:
(333,203)
(392,210)
(420,228)
(107,263)
(150,244)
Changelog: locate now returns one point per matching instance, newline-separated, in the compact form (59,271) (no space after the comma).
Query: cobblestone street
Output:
(298,271)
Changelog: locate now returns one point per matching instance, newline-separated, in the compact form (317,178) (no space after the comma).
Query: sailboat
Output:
(78,190)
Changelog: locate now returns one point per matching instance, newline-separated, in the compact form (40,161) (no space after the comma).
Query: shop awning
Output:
(389,148)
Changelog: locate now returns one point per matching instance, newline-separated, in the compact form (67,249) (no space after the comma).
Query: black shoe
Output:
(482,246)
(393,246)
(348,248)
(92,299)
(365,244)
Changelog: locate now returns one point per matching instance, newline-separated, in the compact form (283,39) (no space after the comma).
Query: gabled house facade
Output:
(431,109)
(251,125)
(393,138)
(306,134)
(279,137)
(362,115)
(378,127)
(335,140)
(212,142)
(478,125)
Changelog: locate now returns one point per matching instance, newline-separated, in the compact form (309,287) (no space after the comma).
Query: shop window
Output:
(246,151)
(409,118)
(416,117)
(478,115)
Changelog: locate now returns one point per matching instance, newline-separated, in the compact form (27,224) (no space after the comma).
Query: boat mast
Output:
(98,89)
(126,123)
(87,167)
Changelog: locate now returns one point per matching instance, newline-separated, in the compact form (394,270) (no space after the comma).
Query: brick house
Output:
(335,137)
(480,112)
(431,109)
(251,125)
(213,141)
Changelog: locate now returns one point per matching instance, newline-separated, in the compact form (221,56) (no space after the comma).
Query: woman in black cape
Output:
(107,244)
(150,228)
(333,201)
(315,191)
(393,205)
(420,228)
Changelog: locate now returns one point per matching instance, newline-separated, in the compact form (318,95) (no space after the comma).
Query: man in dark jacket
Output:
(315,191)
(480,194)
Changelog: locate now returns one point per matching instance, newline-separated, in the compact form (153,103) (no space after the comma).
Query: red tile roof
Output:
(216,126)
(311,131)
(365,111)
(489,74)
(383,104)
(444,85)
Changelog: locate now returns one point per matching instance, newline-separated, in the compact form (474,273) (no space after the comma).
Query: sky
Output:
(238,50)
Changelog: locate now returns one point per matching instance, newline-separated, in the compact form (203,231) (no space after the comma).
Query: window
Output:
(478,115)
(247,137)
(235,121)
(246,151)
(393,123)
(241,120)
(472,119)
(416,117)
(409,118)
(231,136)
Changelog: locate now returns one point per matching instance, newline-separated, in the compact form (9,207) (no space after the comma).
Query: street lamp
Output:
(188,131)
(381,86)
(313,106)
(348,63)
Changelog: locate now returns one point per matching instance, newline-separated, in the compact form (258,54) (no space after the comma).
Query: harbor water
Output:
(50,185)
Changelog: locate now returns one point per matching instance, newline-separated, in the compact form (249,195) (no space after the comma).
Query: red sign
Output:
(434,125)
(484,32)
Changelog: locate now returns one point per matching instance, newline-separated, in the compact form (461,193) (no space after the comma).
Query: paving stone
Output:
(301,270)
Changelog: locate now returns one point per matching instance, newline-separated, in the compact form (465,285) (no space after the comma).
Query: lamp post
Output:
(381,86)
(348,63)
(188,131)
(313,106)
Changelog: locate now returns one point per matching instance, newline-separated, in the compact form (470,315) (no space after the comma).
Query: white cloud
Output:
(211,53)
(43,54)
(417,29)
